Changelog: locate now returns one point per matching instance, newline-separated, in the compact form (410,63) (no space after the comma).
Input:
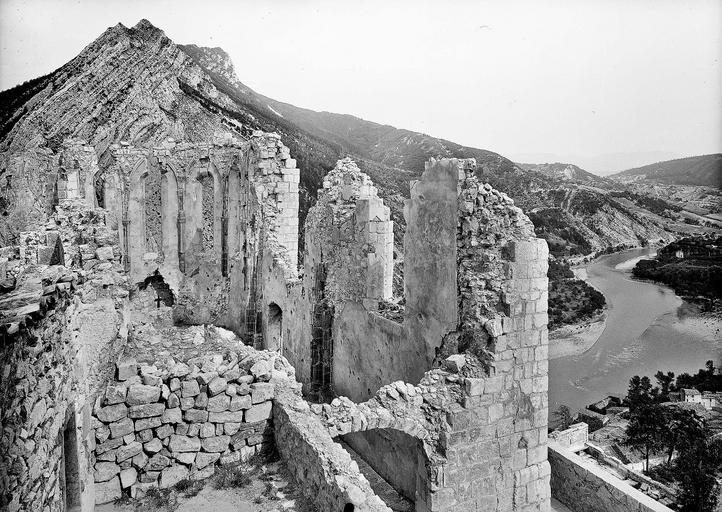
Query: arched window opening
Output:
(349,507)
(99,187)
(153,213)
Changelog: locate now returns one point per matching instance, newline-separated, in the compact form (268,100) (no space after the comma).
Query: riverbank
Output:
(572,340)
(648,329)
(689,320)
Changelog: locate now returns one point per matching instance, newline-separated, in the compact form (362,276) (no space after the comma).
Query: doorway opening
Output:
(71,469)
(274,340)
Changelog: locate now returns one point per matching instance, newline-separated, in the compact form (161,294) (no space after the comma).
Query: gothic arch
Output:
(203,204)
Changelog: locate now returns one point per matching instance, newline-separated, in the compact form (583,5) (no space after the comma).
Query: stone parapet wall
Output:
(329,476)
(583,486)
(156,425)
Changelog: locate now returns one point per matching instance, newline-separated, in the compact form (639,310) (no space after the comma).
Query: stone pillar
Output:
(181,190)
(375,233)
(126,252)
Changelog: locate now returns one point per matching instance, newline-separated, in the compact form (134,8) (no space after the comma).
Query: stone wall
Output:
(351,230)
(158,424)
(60,329)
(385,355)
(330,478)
(212,211)
(585,487)
(430,264)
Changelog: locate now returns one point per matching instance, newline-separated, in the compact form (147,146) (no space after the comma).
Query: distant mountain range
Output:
(694,170)
(136,85)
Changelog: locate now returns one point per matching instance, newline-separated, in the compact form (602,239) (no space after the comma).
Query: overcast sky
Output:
(605,84)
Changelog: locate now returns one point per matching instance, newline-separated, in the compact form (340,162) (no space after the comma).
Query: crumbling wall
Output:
(477,299)
(60,329)
(157,424)
(220,207)
(330,478)
(351,230)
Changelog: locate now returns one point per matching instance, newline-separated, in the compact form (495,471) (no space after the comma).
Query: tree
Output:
(681,429)
(640,393)
(696,470)
(665,381)
(564,416)
(646,429)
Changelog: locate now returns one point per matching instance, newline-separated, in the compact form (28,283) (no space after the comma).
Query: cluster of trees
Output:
(697,278)
(654,427)
(570,300)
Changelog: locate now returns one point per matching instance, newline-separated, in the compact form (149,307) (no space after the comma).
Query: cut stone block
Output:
(146,410)
(121,428)
(215,444)
(184,443)
(128,477)
(105,492)
(128,451)
(142,394)
(172,475)
(196,416)
(104,471)
(112,413)
(259,412)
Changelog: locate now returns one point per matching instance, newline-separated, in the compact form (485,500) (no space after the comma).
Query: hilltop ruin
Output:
(160,321)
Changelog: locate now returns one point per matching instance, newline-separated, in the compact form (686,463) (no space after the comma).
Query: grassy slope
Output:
(694,170)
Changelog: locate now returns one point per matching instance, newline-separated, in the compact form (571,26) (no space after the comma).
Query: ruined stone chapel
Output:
(163,323)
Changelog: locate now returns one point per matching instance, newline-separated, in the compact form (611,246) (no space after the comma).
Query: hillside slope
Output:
(136,85)
(703,170)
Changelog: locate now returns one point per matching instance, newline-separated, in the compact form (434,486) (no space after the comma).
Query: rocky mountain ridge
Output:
(136,85)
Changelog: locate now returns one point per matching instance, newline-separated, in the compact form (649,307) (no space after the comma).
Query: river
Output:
(640,338)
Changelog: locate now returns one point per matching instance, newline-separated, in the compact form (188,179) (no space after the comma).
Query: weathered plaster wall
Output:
(369,352)
(585,487)
(430,261)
